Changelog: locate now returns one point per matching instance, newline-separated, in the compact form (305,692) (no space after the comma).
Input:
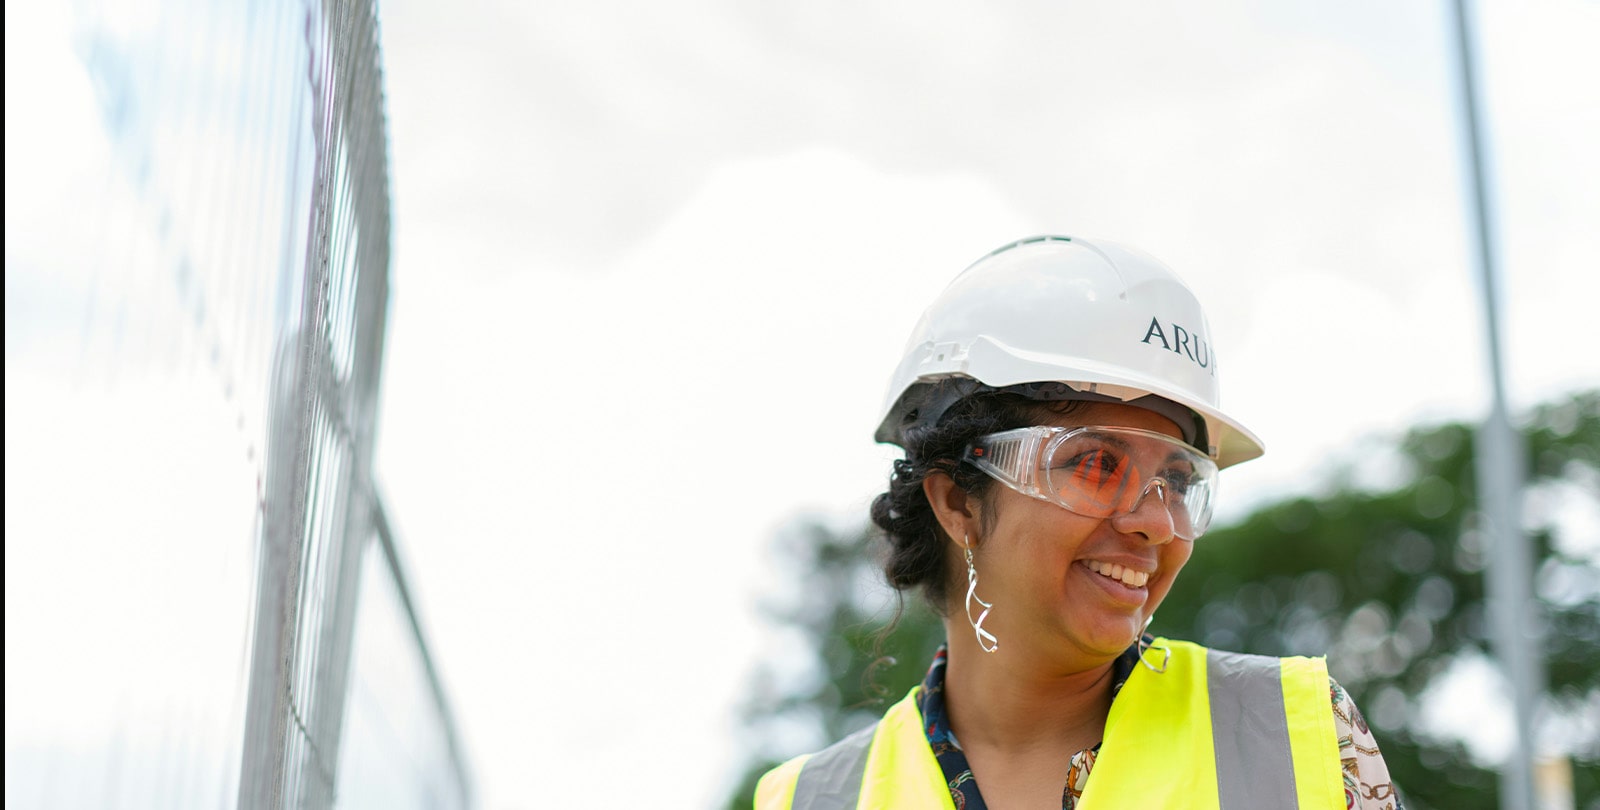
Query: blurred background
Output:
(336,334)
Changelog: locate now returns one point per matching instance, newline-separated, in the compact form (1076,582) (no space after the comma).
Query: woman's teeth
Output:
(1128,576)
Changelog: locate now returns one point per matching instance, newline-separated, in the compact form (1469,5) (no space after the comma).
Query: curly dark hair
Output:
(917,554)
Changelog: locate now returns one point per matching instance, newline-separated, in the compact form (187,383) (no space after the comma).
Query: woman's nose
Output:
(1149,515)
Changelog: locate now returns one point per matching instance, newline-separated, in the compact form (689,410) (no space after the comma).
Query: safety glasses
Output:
(1102,472)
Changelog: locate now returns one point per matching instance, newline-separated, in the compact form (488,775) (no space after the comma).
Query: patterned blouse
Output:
(1366,778)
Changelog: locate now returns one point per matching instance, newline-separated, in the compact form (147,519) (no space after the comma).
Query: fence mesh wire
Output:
(197,265)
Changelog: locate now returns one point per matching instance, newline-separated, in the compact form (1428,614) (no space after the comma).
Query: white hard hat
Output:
(1056,317)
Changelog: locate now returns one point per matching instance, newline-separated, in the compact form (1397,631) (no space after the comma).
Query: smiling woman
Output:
(1042,369)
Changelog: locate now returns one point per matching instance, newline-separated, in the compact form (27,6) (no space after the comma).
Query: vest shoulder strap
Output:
(885,766)
(831,778)
(775,791)
(1249,731)
(1231,731)
(1272,727)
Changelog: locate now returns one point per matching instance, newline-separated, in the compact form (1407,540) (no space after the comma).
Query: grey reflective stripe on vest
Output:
(831,779)
(1249,731)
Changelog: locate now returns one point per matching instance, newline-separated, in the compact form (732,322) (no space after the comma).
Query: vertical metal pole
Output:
(1499,461)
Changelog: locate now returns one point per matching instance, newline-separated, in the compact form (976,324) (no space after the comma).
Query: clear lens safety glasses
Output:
(1102,472)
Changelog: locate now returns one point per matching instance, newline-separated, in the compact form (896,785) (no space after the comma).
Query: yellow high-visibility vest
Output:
(1214,731)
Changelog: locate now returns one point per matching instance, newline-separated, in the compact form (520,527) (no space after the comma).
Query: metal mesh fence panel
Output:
(197,237)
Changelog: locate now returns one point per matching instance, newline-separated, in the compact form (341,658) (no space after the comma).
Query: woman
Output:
(1058,409)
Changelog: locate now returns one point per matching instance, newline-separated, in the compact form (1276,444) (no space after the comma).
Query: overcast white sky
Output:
(700,233)
(654,264)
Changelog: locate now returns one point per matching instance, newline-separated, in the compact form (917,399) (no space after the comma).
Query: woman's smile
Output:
(1127,575)
(1124,584)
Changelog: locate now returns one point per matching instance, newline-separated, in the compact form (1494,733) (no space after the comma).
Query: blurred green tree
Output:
(1382,573)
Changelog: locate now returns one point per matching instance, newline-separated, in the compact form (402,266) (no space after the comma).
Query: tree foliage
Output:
(1387,581)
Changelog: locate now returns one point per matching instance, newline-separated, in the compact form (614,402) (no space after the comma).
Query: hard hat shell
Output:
(1106,320)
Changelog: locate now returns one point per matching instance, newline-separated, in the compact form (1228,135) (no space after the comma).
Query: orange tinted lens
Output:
(1096,481)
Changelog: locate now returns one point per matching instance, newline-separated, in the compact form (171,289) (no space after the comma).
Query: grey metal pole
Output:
(1514,618)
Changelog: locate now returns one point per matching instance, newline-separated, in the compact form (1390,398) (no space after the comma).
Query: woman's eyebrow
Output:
(1116,441)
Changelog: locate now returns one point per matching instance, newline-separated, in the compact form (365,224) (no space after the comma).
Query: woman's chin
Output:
(1107,641)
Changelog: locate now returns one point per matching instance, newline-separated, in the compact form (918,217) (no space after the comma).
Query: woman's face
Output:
(1048,571)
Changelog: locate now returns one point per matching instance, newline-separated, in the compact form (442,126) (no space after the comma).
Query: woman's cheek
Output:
(1173,558)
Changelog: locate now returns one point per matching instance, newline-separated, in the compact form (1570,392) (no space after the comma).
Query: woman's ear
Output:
(956,511)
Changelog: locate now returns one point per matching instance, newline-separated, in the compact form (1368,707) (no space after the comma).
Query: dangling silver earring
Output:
(972,594)
(1144,646)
